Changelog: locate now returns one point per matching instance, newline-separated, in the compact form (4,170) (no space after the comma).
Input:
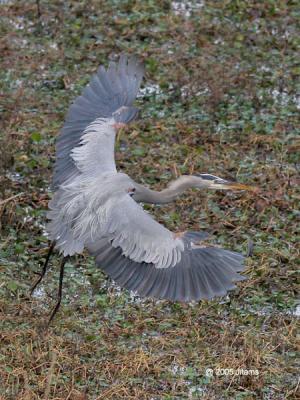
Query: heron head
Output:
(214,182)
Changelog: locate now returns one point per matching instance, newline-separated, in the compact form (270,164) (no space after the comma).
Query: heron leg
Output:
(61,277)
(38,8)
(45,267)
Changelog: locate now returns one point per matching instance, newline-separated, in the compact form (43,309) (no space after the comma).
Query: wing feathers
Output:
(140,237)
(107,91)
(95,153)
(201,273)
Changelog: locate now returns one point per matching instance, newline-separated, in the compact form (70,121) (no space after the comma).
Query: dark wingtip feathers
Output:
(202,273)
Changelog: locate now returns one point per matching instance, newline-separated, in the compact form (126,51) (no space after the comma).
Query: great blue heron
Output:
(97,208)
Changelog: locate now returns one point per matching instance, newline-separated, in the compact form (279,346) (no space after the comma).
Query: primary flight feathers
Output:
(108,90)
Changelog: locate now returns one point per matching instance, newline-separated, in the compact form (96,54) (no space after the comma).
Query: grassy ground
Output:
(220,96)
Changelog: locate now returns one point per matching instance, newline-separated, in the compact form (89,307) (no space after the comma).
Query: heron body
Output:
(97,208)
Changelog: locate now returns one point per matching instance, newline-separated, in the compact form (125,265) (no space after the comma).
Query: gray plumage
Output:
(96,207)
(202,273)
(108,91)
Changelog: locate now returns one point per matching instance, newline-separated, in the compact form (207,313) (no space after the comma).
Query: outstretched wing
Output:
(108,91)
(201,272)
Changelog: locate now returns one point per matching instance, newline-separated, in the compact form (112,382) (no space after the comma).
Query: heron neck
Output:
(175,189)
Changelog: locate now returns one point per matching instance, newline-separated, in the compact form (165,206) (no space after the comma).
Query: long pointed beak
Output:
(214,182)
(225,185)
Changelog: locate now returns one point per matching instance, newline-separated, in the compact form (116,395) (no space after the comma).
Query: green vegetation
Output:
(220,96)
